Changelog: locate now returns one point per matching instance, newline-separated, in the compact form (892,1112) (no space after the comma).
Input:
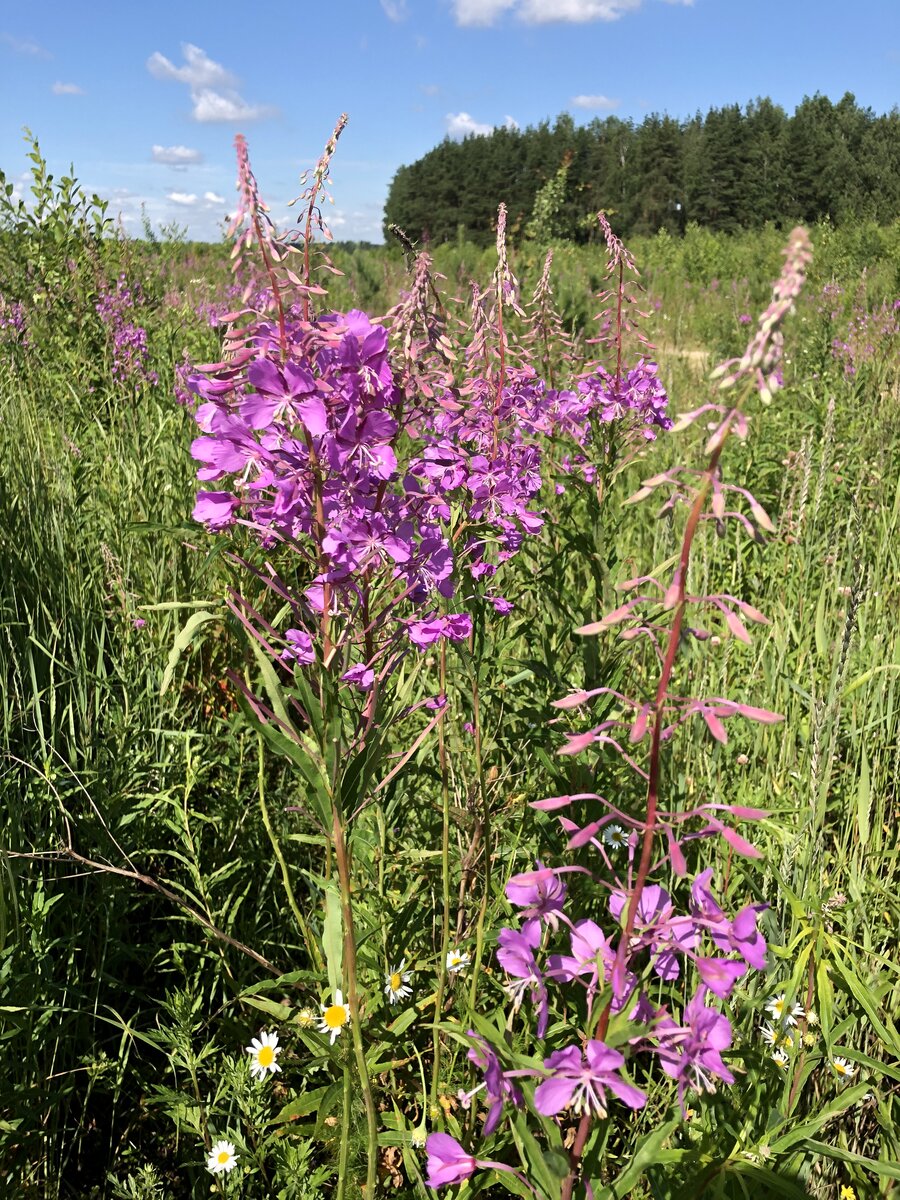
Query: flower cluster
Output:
(583,1077)
(13,323)
(131,352)
(311,435)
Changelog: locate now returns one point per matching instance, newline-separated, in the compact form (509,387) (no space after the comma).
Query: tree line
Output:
(734,168)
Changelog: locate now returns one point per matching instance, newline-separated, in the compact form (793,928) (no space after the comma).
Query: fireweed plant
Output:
(388,472)
(643,992)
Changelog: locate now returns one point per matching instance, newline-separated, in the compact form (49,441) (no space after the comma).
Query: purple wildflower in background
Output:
(580,1081)
(131,350)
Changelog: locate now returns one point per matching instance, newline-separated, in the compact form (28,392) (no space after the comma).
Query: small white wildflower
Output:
(614,836)
(843,1069)
(457,962)
(779,1010)
(334,1016)
(263,1052)
(395,983)
(770,1034)
(812,1017)
(780,1059)
(221,1158)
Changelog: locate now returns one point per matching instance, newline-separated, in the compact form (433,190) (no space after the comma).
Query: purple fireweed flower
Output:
(360,676)
(691,1053)
(215,509)
(449,1163)
(592,958)
(580,1081)
(720,974)
(540,894)
(455,626)
(516,956)
(657,927)
(299,648)
(740,934)
(498,1087)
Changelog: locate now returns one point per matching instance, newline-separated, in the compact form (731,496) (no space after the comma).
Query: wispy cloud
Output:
(395,10)
(66,89)
(461,124)
(25,45)
(429,89)
(595,103)
(212,198)
(212,87)
(176,156)
(543,12)
(188,199)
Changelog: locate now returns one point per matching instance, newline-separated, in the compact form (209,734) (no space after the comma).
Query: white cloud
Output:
(460,125)
(395,10)
(210,105)
(430,89)
(213,88)
(543,12)
(199,69)
(185,198)
(66,89)
(176,156)
(480,12)
(595,103)
(25,45)
(212,198)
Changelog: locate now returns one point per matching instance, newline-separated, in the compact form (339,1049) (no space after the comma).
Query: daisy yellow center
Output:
(266,1056)
(778,1006)
(455,960)
(224,1156)
(335,1016)
(395,982)
(840,1068)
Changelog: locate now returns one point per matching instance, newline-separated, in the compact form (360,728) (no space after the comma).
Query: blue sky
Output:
(145,99)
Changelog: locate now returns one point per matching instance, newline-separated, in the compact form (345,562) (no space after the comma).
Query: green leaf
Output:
(891,1170)
(646,1154)
(332,937)
(182,642)
(802,1131)
(278,1012)
(321,1101)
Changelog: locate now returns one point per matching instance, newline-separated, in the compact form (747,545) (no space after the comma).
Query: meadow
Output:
(495,784)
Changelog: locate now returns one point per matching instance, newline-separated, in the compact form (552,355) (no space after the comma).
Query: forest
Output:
(734,168)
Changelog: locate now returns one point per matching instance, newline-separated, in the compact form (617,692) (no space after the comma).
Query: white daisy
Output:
(221,1158)
(263,1051)
(334,1016)
(770,1034)
(395,983)
(779,1010)
(457,962)
(843,1069)
(780,1059)
(614,836)
(812,1017)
